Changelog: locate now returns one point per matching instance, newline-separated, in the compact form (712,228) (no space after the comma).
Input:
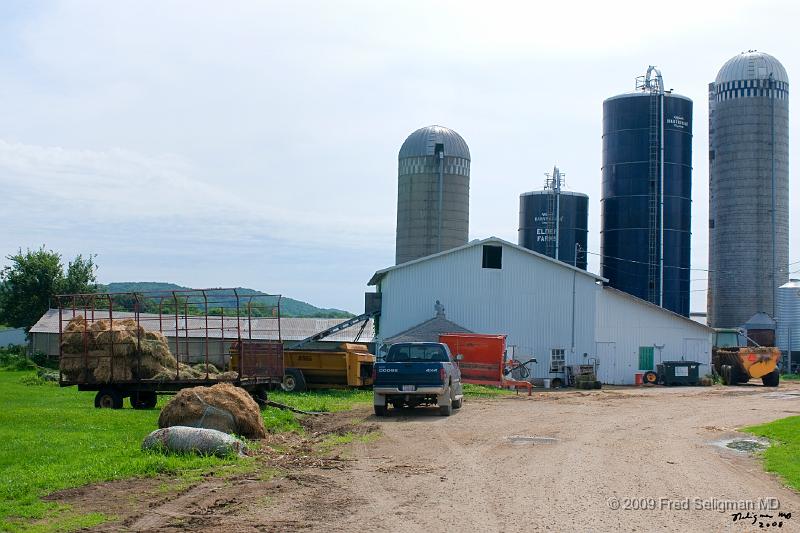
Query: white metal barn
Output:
(633,334)
(548,309)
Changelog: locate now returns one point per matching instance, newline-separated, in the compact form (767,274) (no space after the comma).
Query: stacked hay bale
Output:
(101,352)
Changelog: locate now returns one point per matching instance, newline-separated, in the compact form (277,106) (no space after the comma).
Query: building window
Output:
(557,360)
(492,256)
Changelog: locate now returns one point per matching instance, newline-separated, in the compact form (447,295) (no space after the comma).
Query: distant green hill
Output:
(289,306)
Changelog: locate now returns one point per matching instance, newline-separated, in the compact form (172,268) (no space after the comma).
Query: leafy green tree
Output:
(29,283)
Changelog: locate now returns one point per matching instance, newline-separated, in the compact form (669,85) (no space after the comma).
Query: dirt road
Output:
(560,461)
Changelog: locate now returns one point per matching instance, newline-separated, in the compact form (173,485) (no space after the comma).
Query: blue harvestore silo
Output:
(646,193)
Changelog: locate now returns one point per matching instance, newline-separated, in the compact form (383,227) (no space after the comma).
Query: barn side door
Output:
(607,362)
(695,350)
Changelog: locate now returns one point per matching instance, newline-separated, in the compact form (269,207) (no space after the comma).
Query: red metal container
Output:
(482,361)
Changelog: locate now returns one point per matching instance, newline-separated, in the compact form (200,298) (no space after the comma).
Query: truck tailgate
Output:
(399,374)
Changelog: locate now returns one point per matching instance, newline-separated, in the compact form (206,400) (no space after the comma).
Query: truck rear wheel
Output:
(446,410)
(380,410)
(726,373)
(143,399)
(293,380)
(108,398)
(772,379)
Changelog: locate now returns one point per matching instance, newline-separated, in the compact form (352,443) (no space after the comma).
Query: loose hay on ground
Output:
(207,407)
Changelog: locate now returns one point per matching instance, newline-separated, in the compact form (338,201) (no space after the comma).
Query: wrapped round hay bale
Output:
(183,439)
(223,407)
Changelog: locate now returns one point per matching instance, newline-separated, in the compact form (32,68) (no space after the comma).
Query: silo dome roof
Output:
(423,143)
(752,65)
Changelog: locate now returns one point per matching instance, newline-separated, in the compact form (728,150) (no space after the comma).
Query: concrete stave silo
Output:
(432,193)
(748,188)
(646,194)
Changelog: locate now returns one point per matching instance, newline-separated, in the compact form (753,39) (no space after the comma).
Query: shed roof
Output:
(291,329)
(760,320)
(618,292)
(427,331)
(376,278)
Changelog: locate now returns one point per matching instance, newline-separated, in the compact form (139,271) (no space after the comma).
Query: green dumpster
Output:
(679,373)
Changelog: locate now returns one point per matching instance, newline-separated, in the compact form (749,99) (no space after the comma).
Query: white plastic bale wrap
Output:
(183,439)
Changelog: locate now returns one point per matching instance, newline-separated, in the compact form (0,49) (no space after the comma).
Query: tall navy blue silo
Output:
(646,152)
(536,227)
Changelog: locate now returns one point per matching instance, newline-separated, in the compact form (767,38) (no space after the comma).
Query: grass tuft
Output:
(781,456)
(323,400)
(484,391)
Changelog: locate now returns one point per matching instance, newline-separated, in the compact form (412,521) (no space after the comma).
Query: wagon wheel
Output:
(108,398)
(143,399)
(293,381)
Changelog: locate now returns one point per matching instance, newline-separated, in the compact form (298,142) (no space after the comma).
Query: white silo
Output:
(787,332)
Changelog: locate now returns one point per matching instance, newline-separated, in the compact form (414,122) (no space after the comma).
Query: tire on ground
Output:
(143,399)
(380,410)
(108,398)
(772,379)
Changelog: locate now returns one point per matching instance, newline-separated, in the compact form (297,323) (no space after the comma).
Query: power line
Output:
(648,263)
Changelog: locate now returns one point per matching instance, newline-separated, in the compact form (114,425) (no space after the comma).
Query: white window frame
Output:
(558,360)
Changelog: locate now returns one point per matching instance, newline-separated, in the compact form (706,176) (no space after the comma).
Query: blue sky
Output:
(255,143)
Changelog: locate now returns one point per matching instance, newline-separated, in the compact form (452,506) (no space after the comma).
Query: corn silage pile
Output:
(123,352)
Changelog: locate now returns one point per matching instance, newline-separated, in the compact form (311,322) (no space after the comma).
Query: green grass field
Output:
(782,456)
(53,438)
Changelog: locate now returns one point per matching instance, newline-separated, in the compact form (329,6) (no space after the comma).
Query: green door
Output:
(646,358)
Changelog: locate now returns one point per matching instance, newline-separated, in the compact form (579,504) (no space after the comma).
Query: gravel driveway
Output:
(561,461)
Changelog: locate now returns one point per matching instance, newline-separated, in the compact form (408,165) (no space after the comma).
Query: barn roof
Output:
(291,329)
(378,276)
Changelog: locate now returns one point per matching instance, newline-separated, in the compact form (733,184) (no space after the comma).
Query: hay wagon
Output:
(138,345)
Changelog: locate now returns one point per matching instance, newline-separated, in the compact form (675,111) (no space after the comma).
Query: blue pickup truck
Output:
(417,373)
